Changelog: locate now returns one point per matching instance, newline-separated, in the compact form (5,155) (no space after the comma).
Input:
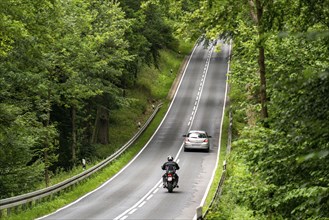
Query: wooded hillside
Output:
(280,100)
(65,66)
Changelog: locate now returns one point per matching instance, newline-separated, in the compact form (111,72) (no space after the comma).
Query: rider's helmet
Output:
(170,158)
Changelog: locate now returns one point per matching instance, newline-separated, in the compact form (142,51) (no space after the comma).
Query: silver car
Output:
(197,139)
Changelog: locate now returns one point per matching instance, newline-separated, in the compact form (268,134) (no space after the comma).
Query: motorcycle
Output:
(171,181)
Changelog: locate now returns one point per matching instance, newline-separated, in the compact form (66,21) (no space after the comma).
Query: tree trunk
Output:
(261,56)
(45,152)
(263,98)
(101,130)
(74,135)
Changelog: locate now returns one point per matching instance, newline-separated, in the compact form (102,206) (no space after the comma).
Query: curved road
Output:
(136,191)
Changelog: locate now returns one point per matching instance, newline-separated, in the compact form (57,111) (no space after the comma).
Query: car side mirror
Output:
(209,136)
(184,135)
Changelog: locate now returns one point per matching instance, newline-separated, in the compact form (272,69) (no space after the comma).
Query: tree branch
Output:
(252,11)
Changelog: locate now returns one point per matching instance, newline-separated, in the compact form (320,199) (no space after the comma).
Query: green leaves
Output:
(54,55)
(288,160)
(292,155)
(19,133)
(62,61)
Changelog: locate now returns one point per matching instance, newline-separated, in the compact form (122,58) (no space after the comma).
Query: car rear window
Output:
(197,135)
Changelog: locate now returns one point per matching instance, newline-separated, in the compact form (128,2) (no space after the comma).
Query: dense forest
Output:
(64,67)
(279,97)
(66,64)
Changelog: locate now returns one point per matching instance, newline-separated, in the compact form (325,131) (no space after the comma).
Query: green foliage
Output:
(285,164)
(287,161)
(158,32)
(149,33)
(60,61)
(159,80)
(19,133)
(238,193)
(27,135)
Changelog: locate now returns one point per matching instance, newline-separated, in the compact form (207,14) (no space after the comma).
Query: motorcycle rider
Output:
(170,165)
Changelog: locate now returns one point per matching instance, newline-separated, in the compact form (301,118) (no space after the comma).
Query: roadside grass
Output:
(160,84)
(123,127)
(230,205)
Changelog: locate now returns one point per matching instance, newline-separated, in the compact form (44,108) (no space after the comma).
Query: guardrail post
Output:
(15,210)
(224,165)
(30,205)
(199,213)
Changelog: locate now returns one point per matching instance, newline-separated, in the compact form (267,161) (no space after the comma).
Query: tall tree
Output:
(247,21)
(150,31)
(287,162)
(26,79)
(286,42)
(91,61)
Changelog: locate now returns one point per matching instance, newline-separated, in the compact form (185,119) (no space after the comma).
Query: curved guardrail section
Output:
(12,202)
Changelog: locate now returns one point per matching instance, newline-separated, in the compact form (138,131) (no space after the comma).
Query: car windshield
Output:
(197,135)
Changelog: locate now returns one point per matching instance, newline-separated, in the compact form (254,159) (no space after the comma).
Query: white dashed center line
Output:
(203,79)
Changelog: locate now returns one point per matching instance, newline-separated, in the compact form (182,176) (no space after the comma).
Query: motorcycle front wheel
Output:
(170,187)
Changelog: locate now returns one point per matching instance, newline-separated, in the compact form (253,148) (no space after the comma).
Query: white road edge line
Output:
(220,135)
(132,211)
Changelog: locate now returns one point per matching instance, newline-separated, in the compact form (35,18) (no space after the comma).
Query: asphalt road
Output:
(136,191)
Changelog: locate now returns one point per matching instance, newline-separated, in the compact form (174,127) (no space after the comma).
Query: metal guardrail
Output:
(12,202)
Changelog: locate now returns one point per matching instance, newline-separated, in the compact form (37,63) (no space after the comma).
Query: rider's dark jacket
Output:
(170,165)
